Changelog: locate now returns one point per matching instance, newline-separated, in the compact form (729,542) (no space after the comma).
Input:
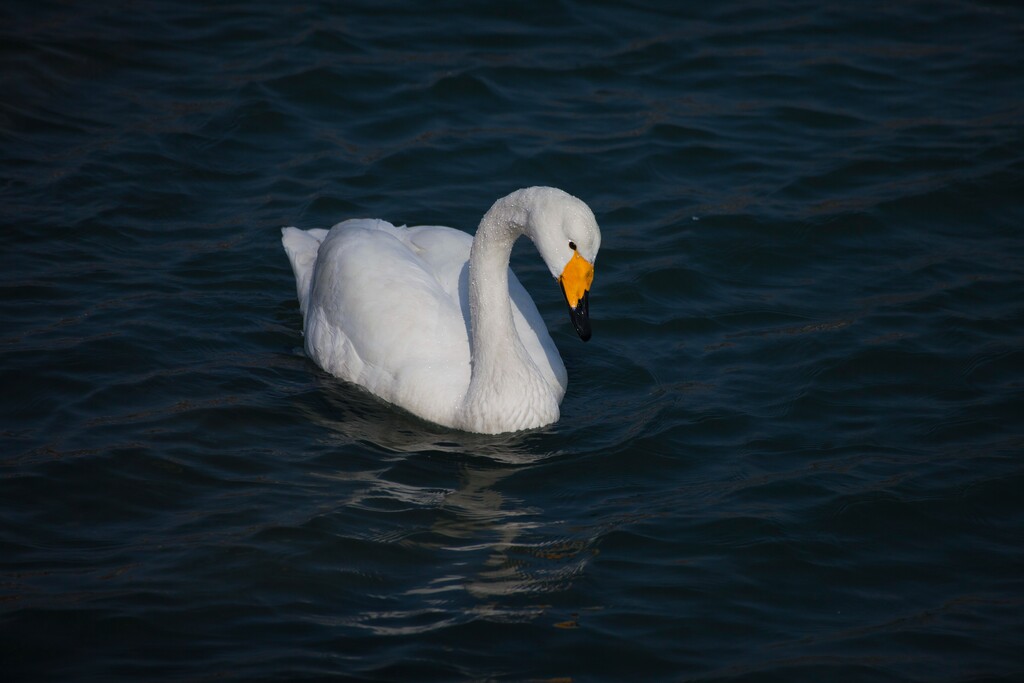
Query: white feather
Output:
(389,308)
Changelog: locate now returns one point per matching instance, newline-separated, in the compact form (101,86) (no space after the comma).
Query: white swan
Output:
(432,320)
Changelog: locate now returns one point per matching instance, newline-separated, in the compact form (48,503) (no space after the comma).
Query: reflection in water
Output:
(498,535)
(487,545)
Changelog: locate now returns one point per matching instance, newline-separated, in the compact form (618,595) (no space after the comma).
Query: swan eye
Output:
(572,245)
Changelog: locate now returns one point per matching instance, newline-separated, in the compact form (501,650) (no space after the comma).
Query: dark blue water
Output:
(793,450)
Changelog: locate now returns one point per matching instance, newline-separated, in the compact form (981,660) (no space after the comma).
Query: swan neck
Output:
(490,306)
(507,391)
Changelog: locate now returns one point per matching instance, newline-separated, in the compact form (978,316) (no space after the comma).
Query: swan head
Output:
(565,232)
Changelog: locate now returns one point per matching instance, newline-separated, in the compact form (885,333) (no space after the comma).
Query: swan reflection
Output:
(439,494)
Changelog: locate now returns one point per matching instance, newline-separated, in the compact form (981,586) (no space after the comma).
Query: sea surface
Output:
(792,451)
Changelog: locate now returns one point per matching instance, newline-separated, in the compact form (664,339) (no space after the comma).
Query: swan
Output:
(432,320)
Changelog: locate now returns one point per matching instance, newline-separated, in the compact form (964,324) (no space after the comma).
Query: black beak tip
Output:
(580,317)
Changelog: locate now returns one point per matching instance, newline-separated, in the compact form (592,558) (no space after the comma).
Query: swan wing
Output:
(379,315)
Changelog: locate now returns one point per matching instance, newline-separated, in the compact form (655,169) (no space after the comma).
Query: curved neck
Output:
(507,391)
(493,330)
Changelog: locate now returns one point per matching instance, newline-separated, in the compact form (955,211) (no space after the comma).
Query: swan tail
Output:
(302,247)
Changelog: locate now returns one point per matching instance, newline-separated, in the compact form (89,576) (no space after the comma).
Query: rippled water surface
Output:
(792,450)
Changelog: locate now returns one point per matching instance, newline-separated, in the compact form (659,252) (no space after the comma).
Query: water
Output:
(792,450)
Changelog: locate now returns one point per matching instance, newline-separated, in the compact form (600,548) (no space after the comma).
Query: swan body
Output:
(432,320)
